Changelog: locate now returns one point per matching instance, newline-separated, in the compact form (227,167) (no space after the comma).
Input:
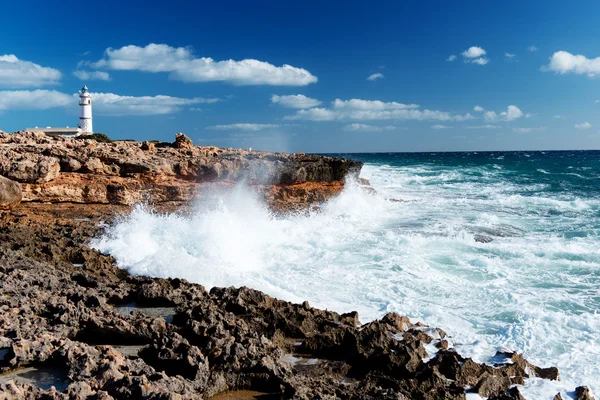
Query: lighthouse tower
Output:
(85,114)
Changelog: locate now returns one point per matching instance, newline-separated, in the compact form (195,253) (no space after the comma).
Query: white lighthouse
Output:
(85,114)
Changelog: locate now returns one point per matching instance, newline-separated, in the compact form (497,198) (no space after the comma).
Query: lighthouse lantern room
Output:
(85,114)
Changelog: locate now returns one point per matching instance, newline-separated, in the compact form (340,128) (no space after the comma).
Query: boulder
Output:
(4,137)
(148,146)
(28,167)
(10,193)
(583,393)
(482,238)
(183,142)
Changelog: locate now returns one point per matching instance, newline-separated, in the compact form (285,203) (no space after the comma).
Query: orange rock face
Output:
(67,170)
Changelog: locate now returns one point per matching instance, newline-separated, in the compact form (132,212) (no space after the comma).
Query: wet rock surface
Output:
(68,308)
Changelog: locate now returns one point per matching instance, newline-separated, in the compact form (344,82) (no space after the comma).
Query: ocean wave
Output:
(530,289)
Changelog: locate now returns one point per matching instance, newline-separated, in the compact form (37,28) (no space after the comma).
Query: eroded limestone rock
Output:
(56,169)
(10,193)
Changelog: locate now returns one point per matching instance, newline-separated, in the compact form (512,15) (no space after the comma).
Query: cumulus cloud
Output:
(372,110)
(33,99)
(563,62)
(474,52)
(475,55)
(511,113)
(368,128)
(375,76)
(529,130)
(481,61)
(585,125)
(184,66)
(244,127)
(117,105)
(532,49)
(295,101)
(484,127)
(441,127)
(104,103)
(478,109)
(20,73)
(559,117)
(370,105)
(452,57)
(92,75)
(509,55)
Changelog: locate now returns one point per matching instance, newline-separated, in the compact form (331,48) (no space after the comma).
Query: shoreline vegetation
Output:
(76,326)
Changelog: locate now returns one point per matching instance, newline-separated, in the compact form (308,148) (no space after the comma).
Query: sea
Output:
(530,283)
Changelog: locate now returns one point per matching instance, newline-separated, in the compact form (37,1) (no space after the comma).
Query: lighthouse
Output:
(85,113)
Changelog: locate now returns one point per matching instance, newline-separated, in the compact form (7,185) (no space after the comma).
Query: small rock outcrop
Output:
(10,193)
(183,142)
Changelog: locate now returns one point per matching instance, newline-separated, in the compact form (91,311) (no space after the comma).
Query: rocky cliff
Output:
(86,171)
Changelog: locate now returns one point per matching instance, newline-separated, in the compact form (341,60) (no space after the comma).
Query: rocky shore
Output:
(84,171)
(69,315)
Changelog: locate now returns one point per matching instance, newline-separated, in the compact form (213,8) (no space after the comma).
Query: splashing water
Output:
(410,248)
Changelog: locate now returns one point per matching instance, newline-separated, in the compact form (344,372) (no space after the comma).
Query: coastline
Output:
(61,301)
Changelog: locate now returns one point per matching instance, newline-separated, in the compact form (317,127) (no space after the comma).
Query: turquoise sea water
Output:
(410,248)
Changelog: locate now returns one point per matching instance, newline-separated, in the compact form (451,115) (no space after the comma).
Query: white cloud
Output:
(474,52)
(104,103)
(559,117)
(375,76)
(117,105)
(484,127)
(314,114)
(184,66)
(441,127)
(370,105)
(244,127)
(585,125)
(465,117)
(475,55)
(372,110)
(34,99)
(509,55)
(20,73)
(512,113)
(478,109)
(563,62)
(529,130)
(452,57)
(481,61)
(92,75)
(532,48)
(295,101)
(368,128)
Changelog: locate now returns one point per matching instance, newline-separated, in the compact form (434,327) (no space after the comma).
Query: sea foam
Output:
(410,249)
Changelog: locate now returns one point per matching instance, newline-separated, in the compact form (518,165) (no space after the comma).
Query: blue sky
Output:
(294,76)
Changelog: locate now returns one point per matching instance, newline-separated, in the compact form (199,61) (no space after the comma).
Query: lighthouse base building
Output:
(85,119)
(64,132)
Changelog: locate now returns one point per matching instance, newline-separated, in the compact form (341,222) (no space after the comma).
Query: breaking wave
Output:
(409,248)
